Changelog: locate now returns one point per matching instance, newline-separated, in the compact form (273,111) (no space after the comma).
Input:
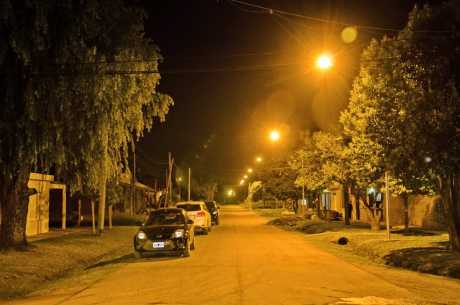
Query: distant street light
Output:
(250,170)
(259,159)
(324,62)
(230,193)
(245,176)
(242,181)
(274,135)
(179,179)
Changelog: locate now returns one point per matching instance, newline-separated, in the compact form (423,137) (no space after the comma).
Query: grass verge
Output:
(417,249)
(46,260)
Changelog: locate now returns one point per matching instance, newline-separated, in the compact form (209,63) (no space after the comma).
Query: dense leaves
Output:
(79,85)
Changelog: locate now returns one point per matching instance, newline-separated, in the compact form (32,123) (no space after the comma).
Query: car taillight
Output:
(200,214)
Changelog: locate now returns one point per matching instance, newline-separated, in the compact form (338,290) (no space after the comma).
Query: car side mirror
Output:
(190,222)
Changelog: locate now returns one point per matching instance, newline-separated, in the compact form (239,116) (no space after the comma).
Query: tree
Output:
(278,181)
(78,85)
(409,87)
(307,162)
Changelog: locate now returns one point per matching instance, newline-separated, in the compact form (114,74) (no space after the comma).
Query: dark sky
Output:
(235,72)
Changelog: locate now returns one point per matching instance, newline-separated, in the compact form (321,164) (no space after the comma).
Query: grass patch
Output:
(21,272)
(416,249)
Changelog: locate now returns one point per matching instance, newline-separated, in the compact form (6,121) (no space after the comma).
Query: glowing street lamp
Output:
(274,135)
(245,176)
(230,193)
(250,170)
(242,181)
(258,159)
(324,62)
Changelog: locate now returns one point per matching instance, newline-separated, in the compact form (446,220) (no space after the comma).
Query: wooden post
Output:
(189,178)
(79,212)
(110,216)
(64,208)
(93,216)
(387,205)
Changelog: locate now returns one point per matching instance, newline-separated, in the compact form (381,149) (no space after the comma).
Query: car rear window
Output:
(189,207)
(165,218)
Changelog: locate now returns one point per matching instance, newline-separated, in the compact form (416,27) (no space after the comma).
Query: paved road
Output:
(245,262)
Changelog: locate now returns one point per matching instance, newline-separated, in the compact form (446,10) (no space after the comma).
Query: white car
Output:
(198,212)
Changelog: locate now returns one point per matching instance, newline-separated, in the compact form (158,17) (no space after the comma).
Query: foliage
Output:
(278,182)
(69,98)
(405,99)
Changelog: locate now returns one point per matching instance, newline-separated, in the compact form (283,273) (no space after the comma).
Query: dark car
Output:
(213,209)
(166,231)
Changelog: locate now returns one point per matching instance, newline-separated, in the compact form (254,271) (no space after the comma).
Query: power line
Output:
(272,11)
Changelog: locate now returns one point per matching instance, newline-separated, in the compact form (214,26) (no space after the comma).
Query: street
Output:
(245,261)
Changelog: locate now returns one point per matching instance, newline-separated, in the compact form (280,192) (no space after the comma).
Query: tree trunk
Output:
(93,216)
(102,183)
(374,216)
(405,198)
(110,216)
(79,213)
(14,198)
(449,187)
(346,204)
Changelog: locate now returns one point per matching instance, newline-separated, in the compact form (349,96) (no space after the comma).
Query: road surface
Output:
(245,261)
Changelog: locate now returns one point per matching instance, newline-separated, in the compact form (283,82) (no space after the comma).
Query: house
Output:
(47,204)
(424,211)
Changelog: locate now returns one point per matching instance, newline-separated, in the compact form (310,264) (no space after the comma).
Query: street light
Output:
(324,62)
(245,176)
(250,170)
(242,181)
(258,159)
(230,193)
(274,135)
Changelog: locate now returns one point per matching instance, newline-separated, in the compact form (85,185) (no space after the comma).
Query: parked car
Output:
(198,212)
(166,230)
(213,208)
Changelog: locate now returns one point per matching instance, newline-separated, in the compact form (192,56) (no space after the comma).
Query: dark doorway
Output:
(55,208)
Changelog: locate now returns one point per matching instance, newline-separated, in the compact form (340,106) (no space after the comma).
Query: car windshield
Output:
(165,218)
(190,207)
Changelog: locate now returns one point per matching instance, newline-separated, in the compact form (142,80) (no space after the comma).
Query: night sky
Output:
(235,72)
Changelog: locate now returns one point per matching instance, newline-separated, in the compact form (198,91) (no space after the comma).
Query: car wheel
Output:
(138,254)
(186,251)
(192,246)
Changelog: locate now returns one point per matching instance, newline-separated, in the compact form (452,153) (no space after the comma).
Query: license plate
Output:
(158,245)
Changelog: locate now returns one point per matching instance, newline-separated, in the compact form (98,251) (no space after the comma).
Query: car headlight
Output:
(179,233)
(214,212)
(141,235)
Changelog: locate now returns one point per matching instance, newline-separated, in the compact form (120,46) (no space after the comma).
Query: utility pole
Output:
(189,179)
(170,169)
(133,181)
(387,205)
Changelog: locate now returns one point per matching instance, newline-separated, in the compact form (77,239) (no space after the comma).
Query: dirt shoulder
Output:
(46,260)
(418,250)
